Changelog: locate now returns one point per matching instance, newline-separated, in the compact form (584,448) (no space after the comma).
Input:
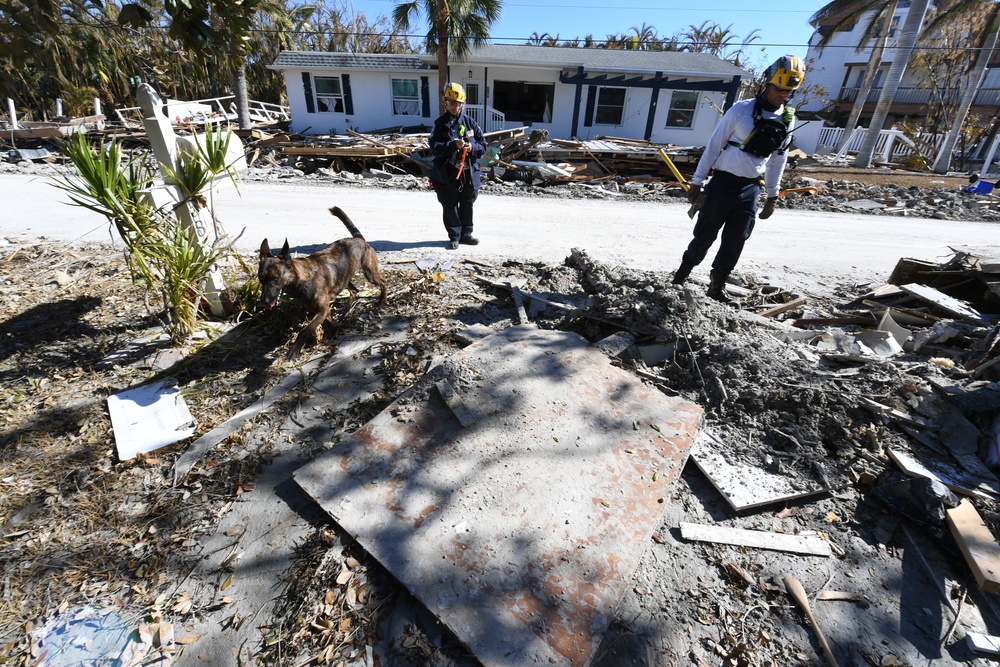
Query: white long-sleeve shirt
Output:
(736,125)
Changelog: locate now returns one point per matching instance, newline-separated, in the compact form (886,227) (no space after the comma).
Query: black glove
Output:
(768,209)
(693,192)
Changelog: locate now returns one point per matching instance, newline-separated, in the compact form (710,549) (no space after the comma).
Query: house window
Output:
(329,94)
(682,106)
(610,106)
(523,102)
(405,97)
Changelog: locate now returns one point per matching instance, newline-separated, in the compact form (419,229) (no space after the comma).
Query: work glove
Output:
(768,209)
(693,192)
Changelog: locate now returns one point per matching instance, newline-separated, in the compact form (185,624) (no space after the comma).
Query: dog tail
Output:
(355,232)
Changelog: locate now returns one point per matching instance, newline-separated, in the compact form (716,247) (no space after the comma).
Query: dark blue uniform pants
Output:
(730,206)
(456,199)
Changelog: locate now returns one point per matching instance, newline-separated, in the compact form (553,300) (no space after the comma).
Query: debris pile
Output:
(873,406)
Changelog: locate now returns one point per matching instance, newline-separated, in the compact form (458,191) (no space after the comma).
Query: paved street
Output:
(792,245)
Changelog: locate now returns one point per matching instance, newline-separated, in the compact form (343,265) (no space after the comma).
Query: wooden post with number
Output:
(167,147)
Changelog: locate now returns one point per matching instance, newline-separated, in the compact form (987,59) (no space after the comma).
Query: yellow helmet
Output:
(454,92)
(786,72)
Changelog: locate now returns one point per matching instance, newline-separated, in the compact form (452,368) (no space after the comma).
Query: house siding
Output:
(574,87)
(367,102)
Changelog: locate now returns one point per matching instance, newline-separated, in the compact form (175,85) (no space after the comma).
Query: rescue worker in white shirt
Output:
(747,148)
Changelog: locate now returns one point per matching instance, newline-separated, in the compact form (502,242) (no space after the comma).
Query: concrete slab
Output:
(521,530)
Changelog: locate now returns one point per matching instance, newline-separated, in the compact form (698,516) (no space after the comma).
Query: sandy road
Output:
(799,247)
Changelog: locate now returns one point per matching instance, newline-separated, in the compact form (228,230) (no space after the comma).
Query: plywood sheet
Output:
(521,530)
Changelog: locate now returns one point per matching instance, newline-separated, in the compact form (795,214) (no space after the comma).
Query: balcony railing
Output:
(211,110)
(891,144)
(489,119)
(985,96)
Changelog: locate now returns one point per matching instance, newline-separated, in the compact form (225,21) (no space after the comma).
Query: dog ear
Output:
(265,250)
(285,251)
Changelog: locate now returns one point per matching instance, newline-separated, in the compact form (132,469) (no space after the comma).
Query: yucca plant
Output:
(160,252)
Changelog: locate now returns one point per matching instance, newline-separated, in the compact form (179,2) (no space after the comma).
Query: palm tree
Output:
(645,37)
(720,42)
(904,46)
(453,26)
(987,43)
(874,60)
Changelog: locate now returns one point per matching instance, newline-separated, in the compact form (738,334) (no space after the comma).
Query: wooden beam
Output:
(977,543)
(791,305)
(811,546)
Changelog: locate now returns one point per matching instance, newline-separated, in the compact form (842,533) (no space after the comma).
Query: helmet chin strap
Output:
(762,98)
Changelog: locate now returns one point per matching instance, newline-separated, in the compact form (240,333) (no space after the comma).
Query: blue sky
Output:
(783,27)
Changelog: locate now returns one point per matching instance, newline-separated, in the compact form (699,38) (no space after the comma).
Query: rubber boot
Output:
(682,273)
(717,287)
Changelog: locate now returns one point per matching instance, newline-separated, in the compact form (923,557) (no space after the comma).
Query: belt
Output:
(743,180)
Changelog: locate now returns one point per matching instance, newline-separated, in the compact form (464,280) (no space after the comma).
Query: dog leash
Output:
(461,165)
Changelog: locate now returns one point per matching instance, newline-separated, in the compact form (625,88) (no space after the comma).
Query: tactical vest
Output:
(768,135)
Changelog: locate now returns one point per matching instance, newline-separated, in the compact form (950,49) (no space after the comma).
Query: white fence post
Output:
(13,114)
(165,146)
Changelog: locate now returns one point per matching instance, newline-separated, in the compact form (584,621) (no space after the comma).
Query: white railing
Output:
(489,119)
(210,110)
(891,144)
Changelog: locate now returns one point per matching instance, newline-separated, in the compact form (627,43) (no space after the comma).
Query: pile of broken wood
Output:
(518,150)
(946,311)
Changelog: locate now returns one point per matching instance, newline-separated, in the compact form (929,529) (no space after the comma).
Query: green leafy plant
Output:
(160,251)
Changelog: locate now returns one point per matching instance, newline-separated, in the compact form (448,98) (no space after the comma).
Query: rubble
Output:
(790,383)
(861,416)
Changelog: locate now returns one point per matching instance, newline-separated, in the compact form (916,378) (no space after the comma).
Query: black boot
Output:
(717,287)
(682,273)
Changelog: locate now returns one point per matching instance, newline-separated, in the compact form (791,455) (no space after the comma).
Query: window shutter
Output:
(307,88)
(425,96)
(348,98)
(588,115)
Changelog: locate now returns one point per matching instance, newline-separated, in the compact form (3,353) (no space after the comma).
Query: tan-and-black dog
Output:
(319,277)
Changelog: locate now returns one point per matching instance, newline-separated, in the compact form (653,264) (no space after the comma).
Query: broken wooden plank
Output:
(759,539)
(782,308)
(977,544)
(458,407)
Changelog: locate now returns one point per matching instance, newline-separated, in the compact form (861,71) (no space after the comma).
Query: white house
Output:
(665,97)
(840,68)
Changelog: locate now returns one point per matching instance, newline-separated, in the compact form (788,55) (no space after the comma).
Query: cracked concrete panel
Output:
(521,530)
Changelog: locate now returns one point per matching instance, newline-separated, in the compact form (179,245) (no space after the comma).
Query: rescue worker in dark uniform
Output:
(747,149)
(457,143)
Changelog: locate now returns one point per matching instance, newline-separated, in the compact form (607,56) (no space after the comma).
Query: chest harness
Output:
(768,135)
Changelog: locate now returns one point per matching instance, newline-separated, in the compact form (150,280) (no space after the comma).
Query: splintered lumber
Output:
(810,546)
(337,151)
(393,149)
(977,544)
(777,310)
